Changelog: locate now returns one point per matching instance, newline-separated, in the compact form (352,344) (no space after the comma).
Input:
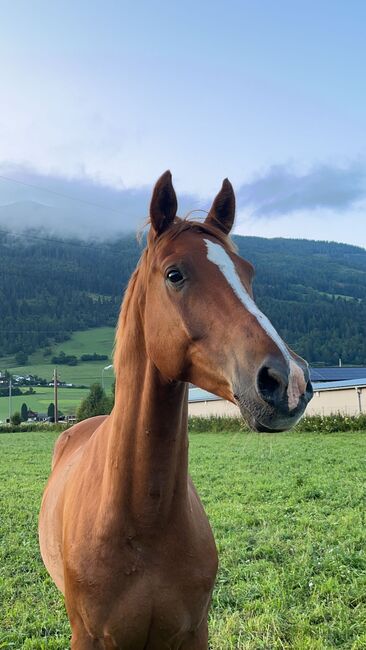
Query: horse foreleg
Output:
(81,639)
(197,640)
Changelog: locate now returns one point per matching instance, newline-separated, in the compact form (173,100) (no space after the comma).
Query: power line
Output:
(27,331)
(60,370)
(71,380)
(60,194)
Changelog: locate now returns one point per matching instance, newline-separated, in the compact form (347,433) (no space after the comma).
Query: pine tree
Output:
(24,412)
(51,411)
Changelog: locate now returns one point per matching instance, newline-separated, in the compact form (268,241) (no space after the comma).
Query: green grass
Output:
(98,339)
(288,513)
(68,401)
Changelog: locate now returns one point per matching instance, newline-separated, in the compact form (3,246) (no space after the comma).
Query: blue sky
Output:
(271,94)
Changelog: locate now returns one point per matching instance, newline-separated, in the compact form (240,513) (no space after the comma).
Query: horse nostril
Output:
(272,384)
(309,392)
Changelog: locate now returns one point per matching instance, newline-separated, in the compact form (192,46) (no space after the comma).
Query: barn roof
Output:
(336,385)
(336,373)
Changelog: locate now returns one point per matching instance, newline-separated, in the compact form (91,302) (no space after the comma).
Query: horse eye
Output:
(174,276)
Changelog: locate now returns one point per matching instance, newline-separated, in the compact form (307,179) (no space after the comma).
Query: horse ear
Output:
(222,212)
(163,206)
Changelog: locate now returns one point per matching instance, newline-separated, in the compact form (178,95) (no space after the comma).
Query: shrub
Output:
(332,423)
(29,391)
(94,357)
(65,359)
(15,418)
(15,390)
(26,427)
(216,423)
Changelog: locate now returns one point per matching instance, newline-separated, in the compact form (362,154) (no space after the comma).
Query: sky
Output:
(99,98)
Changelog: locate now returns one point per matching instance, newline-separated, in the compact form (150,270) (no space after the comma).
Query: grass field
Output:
(98,339)
(288,513)
(68,401)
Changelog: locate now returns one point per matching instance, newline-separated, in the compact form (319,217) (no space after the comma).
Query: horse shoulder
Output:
(75,437)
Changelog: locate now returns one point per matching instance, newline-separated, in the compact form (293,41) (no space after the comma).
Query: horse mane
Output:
(135,289)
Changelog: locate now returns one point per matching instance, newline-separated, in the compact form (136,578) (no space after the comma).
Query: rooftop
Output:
(337,373)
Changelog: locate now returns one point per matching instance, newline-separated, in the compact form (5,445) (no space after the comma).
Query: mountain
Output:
(314,292)
(60,217)
(20,213)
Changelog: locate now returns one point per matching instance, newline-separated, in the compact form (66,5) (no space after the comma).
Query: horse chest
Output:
(151,595)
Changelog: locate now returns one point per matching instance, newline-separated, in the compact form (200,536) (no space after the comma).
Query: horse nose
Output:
(272,381)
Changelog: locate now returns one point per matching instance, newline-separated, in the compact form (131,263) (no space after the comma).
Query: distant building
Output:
(42,417)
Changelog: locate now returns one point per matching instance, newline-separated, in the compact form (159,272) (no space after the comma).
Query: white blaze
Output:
(217,254)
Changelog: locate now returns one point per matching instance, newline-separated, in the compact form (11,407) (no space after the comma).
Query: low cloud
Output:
(86,208)
(71,206)
(281,191)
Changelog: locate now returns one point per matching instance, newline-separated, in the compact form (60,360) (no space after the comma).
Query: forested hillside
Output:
(314,292)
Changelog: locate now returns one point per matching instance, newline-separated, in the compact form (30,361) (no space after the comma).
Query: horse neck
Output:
(148,443)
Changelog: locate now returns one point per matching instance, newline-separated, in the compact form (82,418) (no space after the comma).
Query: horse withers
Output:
(122,530)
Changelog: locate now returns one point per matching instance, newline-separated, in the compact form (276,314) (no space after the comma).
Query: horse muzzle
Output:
(278,398)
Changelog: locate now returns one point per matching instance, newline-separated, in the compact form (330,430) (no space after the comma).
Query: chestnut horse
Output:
(122,530)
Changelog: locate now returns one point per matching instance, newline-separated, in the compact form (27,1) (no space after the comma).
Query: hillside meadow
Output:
(288,513)
(97,339)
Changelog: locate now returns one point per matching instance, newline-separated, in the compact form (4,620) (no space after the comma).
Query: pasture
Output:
(68,400)
(97,339)
(288,513)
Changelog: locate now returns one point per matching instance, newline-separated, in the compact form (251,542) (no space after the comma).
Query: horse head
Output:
(201,323)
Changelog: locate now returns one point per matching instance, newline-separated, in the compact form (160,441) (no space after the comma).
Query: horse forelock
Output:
(183,225)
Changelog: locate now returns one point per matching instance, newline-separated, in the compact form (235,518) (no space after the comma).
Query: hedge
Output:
(32,426)
(314,423)
(216,424)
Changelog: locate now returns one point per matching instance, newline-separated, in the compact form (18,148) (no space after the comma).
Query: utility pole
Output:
(359,393)
(10,409)
(55,391)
